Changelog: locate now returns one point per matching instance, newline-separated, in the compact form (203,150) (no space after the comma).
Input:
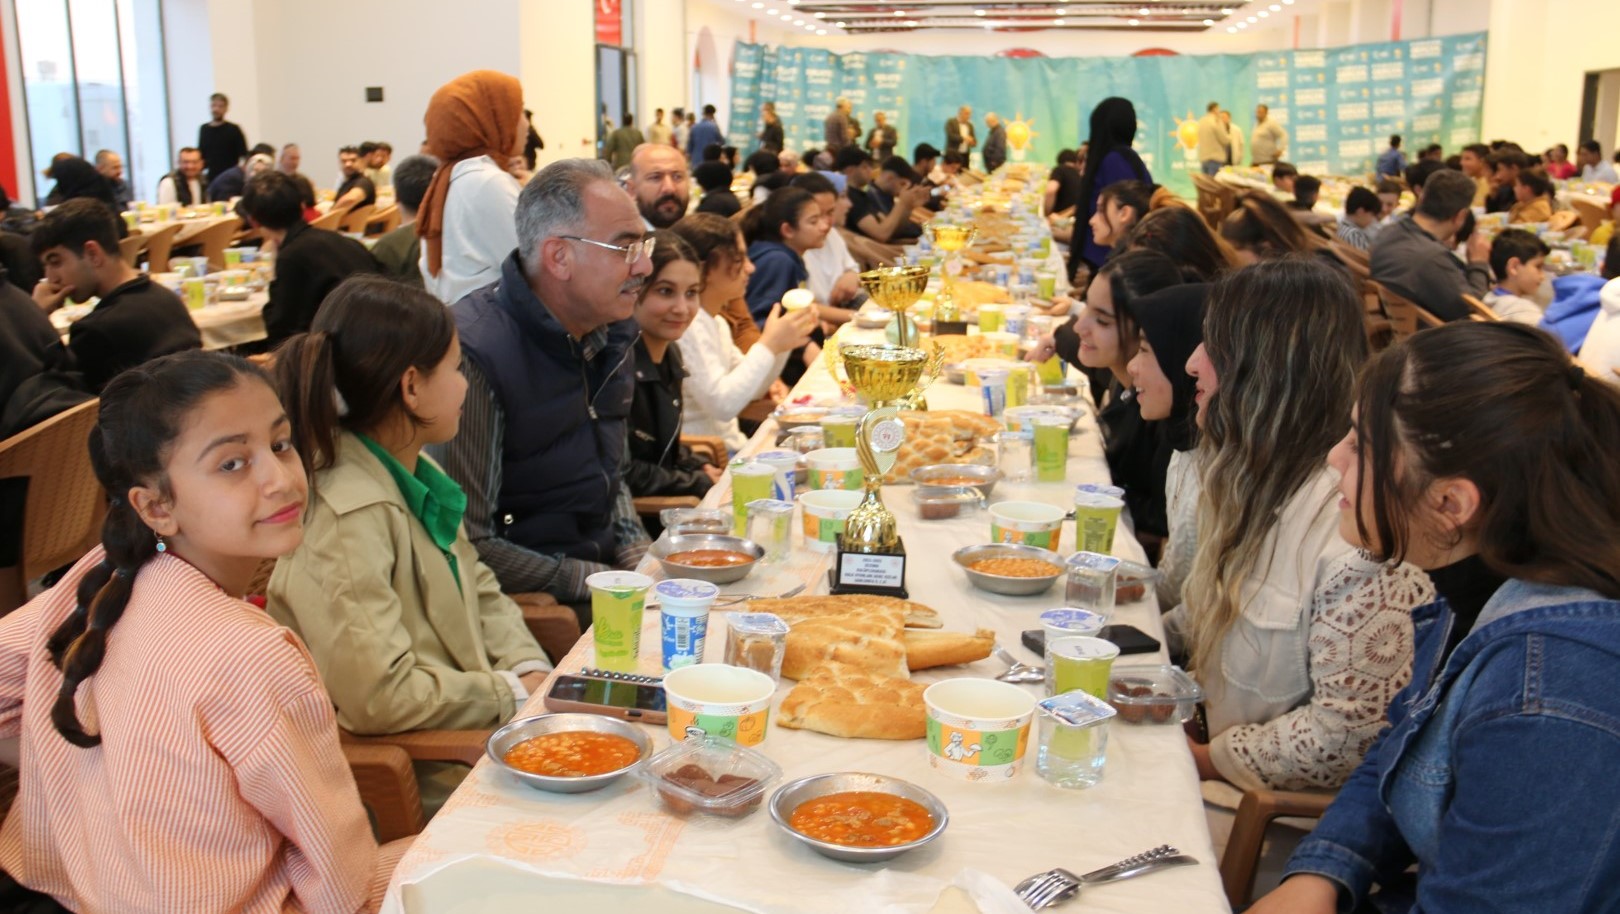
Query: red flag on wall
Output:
(609,22)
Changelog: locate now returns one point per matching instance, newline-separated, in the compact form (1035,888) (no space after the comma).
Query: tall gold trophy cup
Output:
(871,558)
(897,289)
(951,240)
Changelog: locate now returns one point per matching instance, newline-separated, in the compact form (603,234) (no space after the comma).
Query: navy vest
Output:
(565,417)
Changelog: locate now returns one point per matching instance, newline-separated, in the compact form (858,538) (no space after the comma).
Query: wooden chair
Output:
(1256,812)
(1479,311)
(1406,316)
(355,220)
(332,219)
(130,247)
(384,220)
(65,504)
(159,244)
(215,239)
(1591,211)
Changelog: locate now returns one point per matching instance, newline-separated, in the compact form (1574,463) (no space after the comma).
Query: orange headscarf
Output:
(475,114)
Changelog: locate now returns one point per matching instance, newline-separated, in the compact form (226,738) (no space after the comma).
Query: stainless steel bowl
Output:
(987,476)
(667,546)
(954,374)
(1012,587)
(788,797)
(502,741)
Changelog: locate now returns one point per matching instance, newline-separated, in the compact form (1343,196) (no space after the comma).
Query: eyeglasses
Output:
(632,252)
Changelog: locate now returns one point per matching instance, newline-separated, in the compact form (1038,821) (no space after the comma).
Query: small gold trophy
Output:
(951,240)
(871,558)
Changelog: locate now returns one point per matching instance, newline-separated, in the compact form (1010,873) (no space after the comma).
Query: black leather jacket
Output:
(659,463)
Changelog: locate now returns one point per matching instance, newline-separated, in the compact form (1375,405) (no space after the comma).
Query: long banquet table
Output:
(498,843)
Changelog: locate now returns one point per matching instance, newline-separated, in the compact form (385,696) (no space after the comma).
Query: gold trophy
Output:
(871,558)
(951,240)
(897,289)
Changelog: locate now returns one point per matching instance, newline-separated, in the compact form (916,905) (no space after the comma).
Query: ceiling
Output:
(853,17)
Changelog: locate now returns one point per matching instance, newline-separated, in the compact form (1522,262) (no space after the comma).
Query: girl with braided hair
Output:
(177,750)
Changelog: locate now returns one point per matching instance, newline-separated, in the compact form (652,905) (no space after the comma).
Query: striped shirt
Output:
(219,784)
(473,459)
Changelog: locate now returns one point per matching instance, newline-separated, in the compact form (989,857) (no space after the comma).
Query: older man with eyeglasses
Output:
(548,351)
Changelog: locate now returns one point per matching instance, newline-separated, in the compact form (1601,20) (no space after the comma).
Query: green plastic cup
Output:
(838,431)
(1050,371)
(1051,448)
(233,257)
(617,601)
(1081,662)
(1095,517)
(749,482)
(1046,284)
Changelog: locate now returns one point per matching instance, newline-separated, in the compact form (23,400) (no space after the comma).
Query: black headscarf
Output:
(1172,319)
(76,178)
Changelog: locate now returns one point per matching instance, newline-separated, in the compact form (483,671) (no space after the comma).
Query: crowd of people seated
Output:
(1393,573)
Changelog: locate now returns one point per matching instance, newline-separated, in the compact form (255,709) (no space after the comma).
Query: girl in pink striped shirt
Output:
(178,752)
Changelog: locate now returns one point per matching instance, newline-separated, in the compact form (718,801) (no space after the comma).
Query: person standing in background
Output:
(959,132)
(702,135)
(532,145)
(622,142)
(222,143)
(658,132)
(1393,162)
(680,129)
(771,138)
(883,138)
(1214,145)
(836,129)
(995,144)
(1269,141)
(1234,153)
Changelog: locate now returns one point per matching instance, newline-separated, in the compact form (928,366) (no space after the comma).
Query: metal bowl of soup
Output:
(711,557)
(581,752)
(878,834)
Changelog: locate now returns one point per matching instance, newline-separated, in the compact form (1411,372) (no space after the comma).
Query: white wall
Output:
(1538,56)
(664,69)
(188,52)
(557,50)
(716,26)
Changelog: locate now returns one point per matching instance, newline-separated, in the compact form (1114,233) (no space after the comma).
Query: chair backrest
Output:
(1590,209)
(215,239)
(159,244)
(1479,311)
(65,504)
(331,220)
(384,220)
(130,248)
(1407,316)
(355,219)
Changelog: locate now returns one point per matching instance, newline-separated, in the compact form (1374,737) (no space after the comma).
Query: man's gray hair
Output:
(553,203)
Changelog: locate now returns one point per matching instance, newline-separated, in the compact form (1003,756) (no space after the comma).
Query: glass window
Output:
(146,94)
(46,44)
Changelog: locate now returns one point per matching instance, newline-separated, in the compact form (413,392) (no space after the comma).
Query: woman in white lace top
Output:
(1299,641)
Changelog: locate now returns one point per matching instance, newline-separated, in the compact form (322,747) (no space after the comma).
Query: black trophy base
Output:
(949,328)
(881,574)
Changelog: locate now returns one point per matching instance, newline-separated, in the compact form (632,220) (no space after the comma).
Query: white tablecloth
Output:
(222,325)
(497,841)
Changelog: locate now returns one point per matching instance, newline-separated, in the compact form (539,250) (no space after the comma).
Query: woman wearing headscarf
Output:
(1109,158)
(77,178)
(475,128)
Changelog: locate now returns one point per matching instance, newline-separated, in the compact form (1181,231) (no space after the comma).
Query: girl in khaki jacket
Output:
(408,628)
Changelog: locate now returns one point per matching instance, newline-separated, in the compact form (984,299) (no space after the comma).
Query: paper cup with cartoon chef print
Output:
(1028,523)
(822,513)
(718,700)
(834,468)
(977,729)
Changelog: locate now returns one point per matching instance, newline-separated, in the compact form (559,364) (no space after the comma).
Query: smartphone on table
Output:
(1129,639)
(633,698)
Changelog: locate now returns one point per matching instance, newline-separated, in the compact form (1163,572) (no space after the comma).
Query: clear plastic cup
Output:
(617,601)
(1073,740)
(1090,584)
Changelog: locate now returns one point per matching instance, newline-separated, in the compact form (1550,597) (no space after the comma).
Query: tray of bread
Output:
(943,436)
(852,657)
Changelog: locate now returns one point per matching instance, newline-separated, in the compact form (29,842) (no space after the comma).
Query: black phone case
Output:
(1129,639)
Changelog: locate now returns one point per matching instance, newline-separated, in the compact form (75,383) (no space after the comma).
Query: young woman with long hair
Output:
(1481,454)
(1298,640)
(670,300)
(409,629)
(1261,228)
(177,749)
(1109,158)
(723,379)
(1181,234)
(780,231)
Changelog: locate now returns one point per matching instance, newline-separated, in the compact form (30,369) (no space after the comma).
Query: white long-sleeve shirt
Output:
(479,229)
(722,379)
(826,264)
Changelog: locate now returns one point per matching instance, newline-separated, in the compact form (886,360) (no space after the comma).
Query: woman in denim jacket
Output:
(1481,454)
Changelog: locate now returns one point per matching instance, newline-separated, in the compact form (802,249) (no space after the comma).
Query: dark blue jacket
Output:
(705,133)
(777,268)
(1496,775)
(565,417)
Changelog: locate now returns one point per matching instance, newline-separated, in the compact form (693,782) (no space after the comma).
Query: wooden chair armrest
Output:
(710,447)
(464,746)
(1254,814)
(388,788)
(552,624)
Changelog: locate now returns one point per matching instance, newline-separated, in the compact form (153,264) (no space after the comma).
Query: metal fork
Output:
(1045,889)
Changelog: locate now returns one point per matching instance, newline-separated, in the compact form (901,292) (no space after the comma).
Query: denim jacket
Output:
(1497,774)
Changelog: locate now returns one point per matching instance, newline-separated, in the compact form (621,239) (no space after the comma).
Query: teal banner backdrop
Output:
(1339,105)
